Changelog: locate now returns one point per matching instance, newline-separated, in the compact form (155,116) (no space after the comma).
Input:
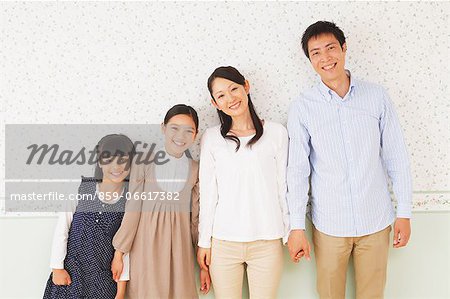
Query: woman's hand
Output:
(204,258)
(205,281)
(61,277)
(117,265)
(298,245)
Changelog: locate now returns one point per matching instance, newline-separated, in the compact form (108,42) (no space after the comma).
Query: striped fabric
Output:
(348,147)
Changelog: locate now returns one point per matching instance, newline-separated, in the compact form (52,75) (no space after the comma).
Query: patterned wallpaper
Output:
(127,63)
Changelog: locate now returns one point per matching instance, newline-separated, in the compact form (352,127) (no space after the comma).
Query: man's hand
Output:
(298,245)
(402,232)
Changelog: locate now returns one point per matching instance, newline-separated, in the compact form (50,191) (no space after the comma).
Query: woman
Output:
(243,210)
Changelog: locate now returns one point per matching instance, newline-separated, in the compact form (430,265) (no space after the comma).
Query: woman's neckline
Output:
(249,136)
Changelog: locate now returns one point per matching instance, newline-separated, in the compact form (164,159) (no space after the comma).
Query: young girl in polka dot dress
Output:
(82,248)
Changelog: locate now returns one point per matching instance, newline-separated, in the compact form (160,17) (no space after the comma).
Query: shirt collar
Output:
(328,92)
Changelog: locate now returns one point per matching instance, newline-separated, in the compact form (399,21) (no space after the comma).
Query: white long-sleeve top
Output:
(59,244)
(243,193)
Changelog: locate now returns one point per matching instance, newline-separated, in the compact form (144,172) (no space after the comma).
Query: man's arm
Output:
(396,162)
(298,172)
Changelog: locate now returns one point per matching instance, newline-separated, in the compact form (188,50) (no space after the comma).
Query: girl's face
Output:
(230,97)
(115,169)
(180,132)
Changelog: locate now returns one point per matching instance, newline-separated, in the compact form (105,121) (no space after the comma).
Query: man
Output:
(346,138)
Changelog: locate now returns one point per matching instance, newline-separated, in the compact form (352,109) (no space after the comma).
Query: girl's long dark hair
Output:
(232,74)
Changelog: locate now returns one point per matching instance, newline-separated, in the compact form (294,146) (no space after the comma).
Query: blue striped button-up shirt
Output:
(348,147)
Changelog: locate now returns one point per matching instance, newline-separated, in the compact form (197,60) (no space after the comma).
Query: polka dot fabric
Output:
(89,248)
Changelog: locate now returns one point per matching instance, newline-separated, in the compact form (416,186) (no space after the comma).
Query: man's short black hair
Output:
(318,28)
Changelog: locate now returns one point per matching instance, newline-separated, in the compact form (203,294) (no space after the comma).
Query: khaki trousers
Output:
(263,260)
(370,255)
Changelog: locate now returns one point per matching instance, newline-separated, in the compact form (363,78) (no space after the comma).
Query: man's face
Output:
(327,57)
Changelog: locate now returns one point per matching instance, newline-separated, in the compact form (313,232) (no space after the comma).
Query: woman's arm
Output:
(208,191)
(281,160)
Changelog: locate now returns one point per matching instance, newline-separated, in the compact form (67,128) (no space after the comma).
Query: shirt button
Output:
(100,213)
(96,220)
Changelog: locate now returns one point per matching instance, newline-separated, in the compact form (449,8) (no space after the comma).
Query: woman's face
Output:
(180,132)
(230,97)
(115,169)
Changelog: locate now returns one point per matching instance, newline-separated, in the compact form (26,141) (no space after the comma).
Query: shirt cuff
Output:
(204,243)
(285,239)
(57,265)
(403,214)
(404,211)
(297,223)
(125,276)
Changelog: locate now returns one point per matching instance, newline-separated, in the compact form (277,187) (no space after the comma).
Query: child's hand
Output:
(205,281)
(119,296)
(60,277)
(121,287)
(117,265)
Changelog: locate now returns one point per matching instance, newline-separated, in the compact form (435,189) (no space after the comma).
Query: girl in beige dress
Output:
(160,227)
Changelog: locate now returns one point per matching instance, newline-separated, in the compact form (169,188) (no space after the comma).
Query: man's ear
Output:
(344,47)
(213,102)
(163,127)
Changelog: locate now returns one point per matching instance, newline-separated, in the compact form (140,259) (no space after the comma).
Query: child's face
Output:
(115,169)
(179,133)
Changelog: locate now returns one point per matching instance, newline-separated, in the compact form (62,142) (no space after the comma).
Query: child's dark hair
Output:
(318,28)
(182,109)
(113,145)
(232,74)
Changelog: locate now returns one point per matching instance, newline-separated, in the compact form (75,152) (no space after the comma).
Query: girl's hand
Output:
(204,258)
(205,281)
(121,286)
(117,265)
(60,277)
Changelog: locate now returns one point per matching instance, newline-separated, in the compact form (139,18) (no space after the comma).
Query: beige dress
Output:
(160,235)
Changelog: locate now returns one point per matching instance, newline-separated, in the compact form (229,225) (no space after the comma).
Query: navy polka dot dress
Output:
(89,248)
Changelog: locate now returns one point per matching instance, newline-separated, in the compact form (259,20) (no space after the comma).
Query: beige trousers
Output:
(370,255)
(263,260)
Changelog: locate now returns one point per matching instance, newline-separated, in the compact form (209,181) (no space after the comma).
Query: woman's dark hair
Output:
(113,145)
(318,28)
(232,74)
(182,109)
